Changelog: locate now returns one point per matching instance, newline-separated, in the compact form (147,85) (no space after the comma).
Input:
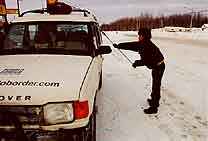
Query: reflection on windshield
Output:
(48,36)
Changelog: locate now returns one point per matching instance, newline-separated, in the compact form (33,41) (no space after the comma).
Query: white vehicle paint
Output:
(50,72)
(67,76)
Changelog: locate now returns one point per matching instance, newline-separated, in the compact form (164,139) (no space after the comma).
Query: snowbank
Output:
(196,35)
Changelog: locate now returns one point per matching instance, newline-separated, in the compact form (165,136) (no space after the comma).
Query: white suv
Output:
(50,73)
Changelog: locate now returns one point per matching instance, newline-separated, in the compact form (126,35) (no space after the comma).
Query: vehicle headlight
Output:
(58,113)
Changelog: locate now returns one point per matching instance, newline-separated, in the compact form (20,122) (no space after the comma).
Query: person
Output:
(152,58)
(46,36)
(2,37)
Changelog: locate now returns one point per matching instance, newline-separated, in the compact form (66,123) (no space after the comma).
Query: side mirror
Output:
(103,49)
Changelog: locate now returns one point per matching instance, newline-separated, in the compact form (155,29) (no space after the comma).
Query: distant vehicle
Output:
(50,73)
(204,27)
(176,29)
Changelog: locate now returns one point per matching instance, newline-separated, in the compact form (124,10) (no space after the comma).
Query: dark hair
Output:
(145,32)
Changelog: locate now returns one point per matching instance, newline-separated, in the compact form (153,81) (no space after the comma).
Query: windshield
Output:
(48,37)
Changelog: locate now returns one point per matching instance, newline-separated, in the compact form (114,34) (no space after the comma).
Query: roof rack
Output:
(40,11)
(85,11)
(45,10)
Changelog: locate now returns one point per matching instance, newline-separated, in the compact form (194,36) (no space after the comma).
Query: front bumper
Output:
(53,132)
(39,134)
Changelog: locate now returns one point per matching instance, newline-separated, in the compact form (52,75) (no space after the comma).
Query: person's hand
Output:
(115,45)
(134,65)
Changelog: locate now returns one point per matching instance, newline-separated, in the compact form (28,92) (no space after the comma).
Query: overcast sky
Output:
(111,10)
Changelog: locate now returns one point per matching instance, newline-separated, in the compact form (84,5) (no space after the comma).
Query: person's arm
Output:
(138,63)
(133,46)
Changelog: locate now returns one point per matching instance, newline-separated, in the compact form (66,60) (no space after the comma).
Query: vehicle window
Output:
(15,37)
(73,28)
(96,35)
(69,38)
(32,30)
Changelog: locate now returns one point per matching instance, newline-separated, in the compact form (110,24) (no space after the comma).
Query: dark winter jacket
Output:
(149,52)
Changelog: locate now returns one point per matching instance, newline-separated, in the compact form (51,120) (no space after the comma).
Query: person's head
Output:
(144,34)
(48,27)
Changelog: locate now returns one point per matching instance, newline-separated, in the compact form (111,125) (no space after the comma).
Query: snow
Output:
(183,111)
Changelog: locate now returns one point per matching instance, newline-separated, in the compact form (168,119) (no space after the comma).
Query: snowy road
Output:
(183,112)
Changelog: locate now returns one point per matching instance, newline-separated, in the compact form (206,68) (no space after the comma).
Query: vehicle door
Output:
(94,72)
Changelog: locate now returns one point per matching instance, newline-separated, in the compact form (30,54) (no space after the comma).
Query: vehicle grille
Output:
(26,115)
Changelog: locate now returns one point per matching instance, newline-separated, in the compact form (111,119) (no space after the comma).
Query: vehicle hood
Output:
(39,79)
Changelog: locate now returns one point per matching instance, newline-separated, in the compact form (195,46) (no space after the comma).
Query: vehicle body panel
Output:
(35,73)
(66,72)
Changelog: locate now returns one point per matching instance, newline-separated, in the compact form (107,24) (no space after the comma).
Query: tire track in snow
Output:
(178,119)
(107,117)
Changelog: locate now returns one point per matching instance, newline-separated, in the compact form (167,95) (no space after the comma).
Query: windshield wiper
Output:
(51,51)
(14,51)
(61,51)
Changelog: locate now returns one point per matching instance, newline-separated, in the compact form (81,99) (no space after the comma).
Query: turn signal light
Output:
(51,1)
(81,109)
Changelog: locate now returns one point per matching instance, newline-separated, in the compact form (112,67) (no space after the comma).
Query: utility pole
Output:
(192,16)
(161,23)
(137,26)
(138,23)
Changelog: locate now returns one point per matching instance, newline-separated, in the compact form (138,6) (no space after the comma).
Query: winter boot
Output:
(150,110)
(149,100)
(153,103)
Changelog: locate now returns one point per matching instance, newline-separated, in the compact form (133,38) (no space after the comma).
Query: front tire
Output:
(92,127)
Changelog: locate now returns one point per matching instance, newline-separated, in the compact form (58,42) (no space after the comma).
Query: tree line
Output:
(149,21)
